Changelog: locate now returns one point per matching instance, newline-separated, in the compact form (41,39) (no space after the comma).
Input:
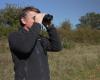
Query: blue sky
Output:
(61,9)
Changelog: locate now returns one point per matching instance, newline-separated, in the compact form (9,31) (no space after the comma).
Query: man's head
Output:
(27,17)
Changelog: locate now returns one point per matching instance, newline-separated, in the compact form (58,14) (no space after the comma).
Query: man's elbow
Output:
(57,49)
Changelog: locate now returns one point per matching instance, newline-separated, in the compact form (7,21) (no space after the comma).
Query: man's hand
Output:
(39,18)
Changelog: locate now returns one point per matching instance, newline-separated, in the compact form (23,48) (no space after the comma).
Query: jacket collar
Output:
(21,29)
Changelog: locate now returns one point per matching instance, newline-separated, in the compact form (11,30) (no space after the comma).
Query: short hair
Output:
(26,10)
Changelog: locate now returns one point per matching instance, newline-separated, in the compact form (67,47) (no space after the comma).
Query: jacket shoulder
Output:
(12,35)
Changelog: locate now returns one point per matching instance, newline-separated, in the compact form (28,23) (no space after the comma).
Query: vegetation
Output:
(91,19)
(79,63)
(87,31)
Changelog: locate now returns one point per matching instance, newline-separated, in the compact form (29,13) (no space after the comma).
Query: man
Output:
(29,48)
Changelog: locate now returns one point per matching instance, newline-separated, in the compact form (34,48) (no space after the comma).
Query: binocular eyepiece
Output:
(47,19)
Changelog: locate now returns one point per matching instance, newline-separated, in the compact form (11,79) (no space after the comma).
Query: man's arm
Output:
(52,43)
(24,42)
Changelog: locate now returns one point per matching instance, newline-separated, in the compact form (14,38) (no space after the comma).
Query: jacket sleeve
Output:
(24,42)
(52,43)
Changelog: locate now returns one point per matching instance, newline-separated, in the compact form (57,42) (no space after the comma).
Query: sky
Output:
(62,10)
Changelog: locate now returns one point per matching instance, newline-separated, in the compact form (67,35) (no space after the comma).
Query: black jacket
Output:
(29,52)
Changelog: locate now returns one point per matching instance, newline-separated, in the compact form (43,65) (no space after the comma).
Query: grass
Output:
(79,63)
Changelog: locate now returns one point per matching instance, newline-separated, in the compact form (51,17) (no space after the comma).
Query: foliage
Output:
(10,15)
(9,19)
(87,35)
(86,32)
(92,19)
(65,30)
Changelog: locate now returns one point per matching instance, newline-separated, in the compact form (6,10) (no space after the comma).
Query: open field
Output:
(79,63)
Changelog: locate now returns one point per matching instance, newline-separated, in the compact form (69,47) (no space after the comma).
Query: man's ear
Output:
(23,20)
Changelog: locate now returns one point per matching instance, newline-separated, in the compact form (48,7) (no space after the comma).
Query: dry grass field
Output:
(79,63)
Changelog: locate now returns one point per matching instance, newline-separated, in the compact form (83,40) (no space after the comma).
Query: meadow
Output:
(82,62)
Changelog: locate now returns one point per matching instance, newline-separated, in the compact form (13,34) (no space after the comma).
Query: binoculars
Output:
(47,19)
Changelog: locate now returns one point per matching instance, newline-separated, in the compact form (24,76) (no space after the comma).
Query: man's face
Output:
(29,19)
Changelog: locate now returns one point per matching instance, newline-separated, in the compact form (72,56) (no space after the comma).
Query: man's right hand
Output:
(39,18)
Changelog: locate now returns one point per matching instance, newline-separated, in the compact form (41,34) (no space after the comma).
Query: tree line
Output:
(87,31)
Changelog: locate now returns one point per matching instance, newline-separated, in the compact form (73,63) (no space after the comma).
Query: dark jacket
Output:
(29,52)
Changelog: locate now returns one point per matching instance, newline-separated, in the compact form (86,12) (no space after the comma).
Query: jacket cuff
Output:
(50,27)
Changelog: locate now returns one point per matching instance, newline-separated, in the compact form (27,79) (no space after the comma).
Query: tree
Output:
(65,29)
(9,16)
(9,19)
(66,25)
(91,19)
